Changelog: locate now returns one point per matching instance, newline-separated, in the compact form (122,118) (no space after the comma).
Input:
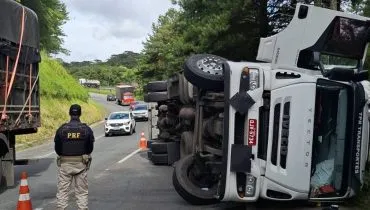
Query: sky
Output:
(98,29)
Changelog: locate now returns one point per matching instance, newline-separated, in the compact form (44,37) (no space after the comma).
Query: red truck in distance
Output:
(125,94)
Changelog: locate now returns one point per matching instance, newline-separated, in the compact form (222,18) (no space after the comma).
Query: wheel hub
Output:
(211,65)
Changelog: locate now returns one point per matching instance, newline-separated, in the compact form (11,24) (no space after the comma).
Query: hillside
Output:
(58,91)
(118,68)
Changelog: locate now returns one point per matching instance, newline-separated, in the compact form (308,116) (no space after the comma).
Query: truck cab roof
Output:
(315,30)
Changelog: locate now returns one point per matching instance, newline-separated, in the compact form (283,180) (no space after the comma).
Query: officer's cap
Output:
(75,110)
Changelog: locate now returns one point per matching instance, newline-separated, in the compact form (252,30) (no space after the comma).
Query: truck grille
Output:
(284,134)
(275,134)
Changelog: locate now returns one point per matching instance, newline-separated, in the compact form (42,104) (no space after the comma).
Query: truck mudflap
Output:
(4,145)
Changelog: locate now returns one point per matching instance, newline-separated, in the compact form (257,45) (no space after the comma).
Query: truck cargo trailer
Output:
(19,81)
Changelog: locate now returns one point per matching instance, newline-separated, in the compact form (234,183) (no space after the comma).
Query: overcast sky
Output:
(99,28)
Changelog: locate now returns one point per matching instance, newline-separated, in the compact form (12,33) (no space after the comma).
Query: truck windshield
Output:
(329,142)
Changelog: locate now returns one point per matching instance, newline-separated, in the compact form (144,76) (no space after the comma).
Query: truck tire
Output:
(150,154)
(155,86)
(159,159)
(4,145)
(150,142)
(159,147)
(186,188)
(155,96)
(205,71)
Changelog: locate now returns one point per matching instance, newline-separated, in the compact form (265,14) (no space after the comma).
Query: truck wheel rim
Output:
(210,65)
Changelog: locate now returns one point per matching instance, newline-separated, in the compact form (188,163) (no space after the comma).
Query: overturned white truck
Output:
(294,126)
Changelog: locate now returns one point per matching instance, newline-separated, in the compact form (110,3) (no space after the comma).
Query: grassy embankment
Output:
(101,91)
(138,92)
(58,91)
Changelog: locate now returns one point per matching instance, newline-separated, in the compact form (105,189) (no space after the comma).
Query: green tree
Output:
(118,68)
(127,58)
(52,14)
(227,28)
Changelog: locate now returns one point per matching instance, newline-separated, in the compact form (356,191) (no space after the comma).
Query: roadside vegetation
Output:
(121,68)
(102,91)
(59,90)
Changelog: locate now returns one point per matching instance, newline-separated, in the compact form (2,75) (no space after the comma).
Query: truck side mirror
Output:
(361,76)
(316,61)
(341,74)
(316,58)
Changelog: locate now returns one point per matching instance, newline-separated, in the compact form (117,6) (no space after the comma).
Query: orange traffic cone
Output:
(143,142)
(24,201)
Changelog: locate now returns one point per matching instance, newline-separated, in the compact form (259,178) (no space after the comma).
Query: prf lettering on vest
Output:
(73,135)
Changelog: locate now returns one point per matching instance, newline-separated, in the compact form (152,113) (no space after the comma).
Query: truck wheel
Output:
(155,86)
(159,159)
(159,147)
(150,142)
(186,188)
(155,96)
(150,154)
(186,145)
(205,71)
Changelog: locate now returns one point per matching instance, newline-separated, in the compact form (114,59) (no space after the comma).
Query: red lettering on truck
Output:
(252,132)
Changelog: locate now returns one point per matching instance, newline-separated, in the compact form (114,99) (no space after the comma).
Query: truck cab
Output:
(125,94)
(293,126)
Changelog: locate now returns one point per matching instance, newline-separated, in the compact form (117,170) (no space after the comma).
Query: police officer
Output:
(74,142)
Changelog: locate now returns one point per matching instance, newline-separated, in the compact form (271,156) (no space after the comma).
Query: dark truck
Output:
(19,81)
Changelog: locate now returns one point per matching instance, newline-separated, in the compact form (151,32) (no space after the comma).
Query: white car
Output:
(140,111)
(121,122)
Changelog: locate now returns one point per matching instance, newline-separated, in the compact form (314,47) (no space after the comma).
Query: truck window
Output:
(346,38)
(331,61)
(329,142)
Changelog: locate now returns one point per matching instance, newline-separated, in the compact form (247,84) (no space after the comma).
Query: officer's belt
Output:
(66,159)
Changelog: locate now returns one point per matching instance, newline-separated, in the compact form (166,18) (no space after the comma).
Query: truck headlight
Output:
(250,187)
(254,79)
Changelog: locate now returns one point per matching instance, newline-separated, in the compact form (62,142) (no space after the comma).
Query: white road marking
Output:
(129,156)
(38,208)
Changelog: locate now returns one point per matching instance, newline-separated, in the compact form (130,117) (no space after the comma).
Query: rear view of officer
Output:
(74,142)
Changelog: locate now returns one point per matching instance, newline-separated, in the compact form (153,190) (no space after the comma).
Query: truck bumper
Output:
(237,166)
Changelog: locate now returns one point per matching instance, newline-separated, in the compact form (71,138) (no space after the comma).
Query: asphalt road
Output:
(120,177)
